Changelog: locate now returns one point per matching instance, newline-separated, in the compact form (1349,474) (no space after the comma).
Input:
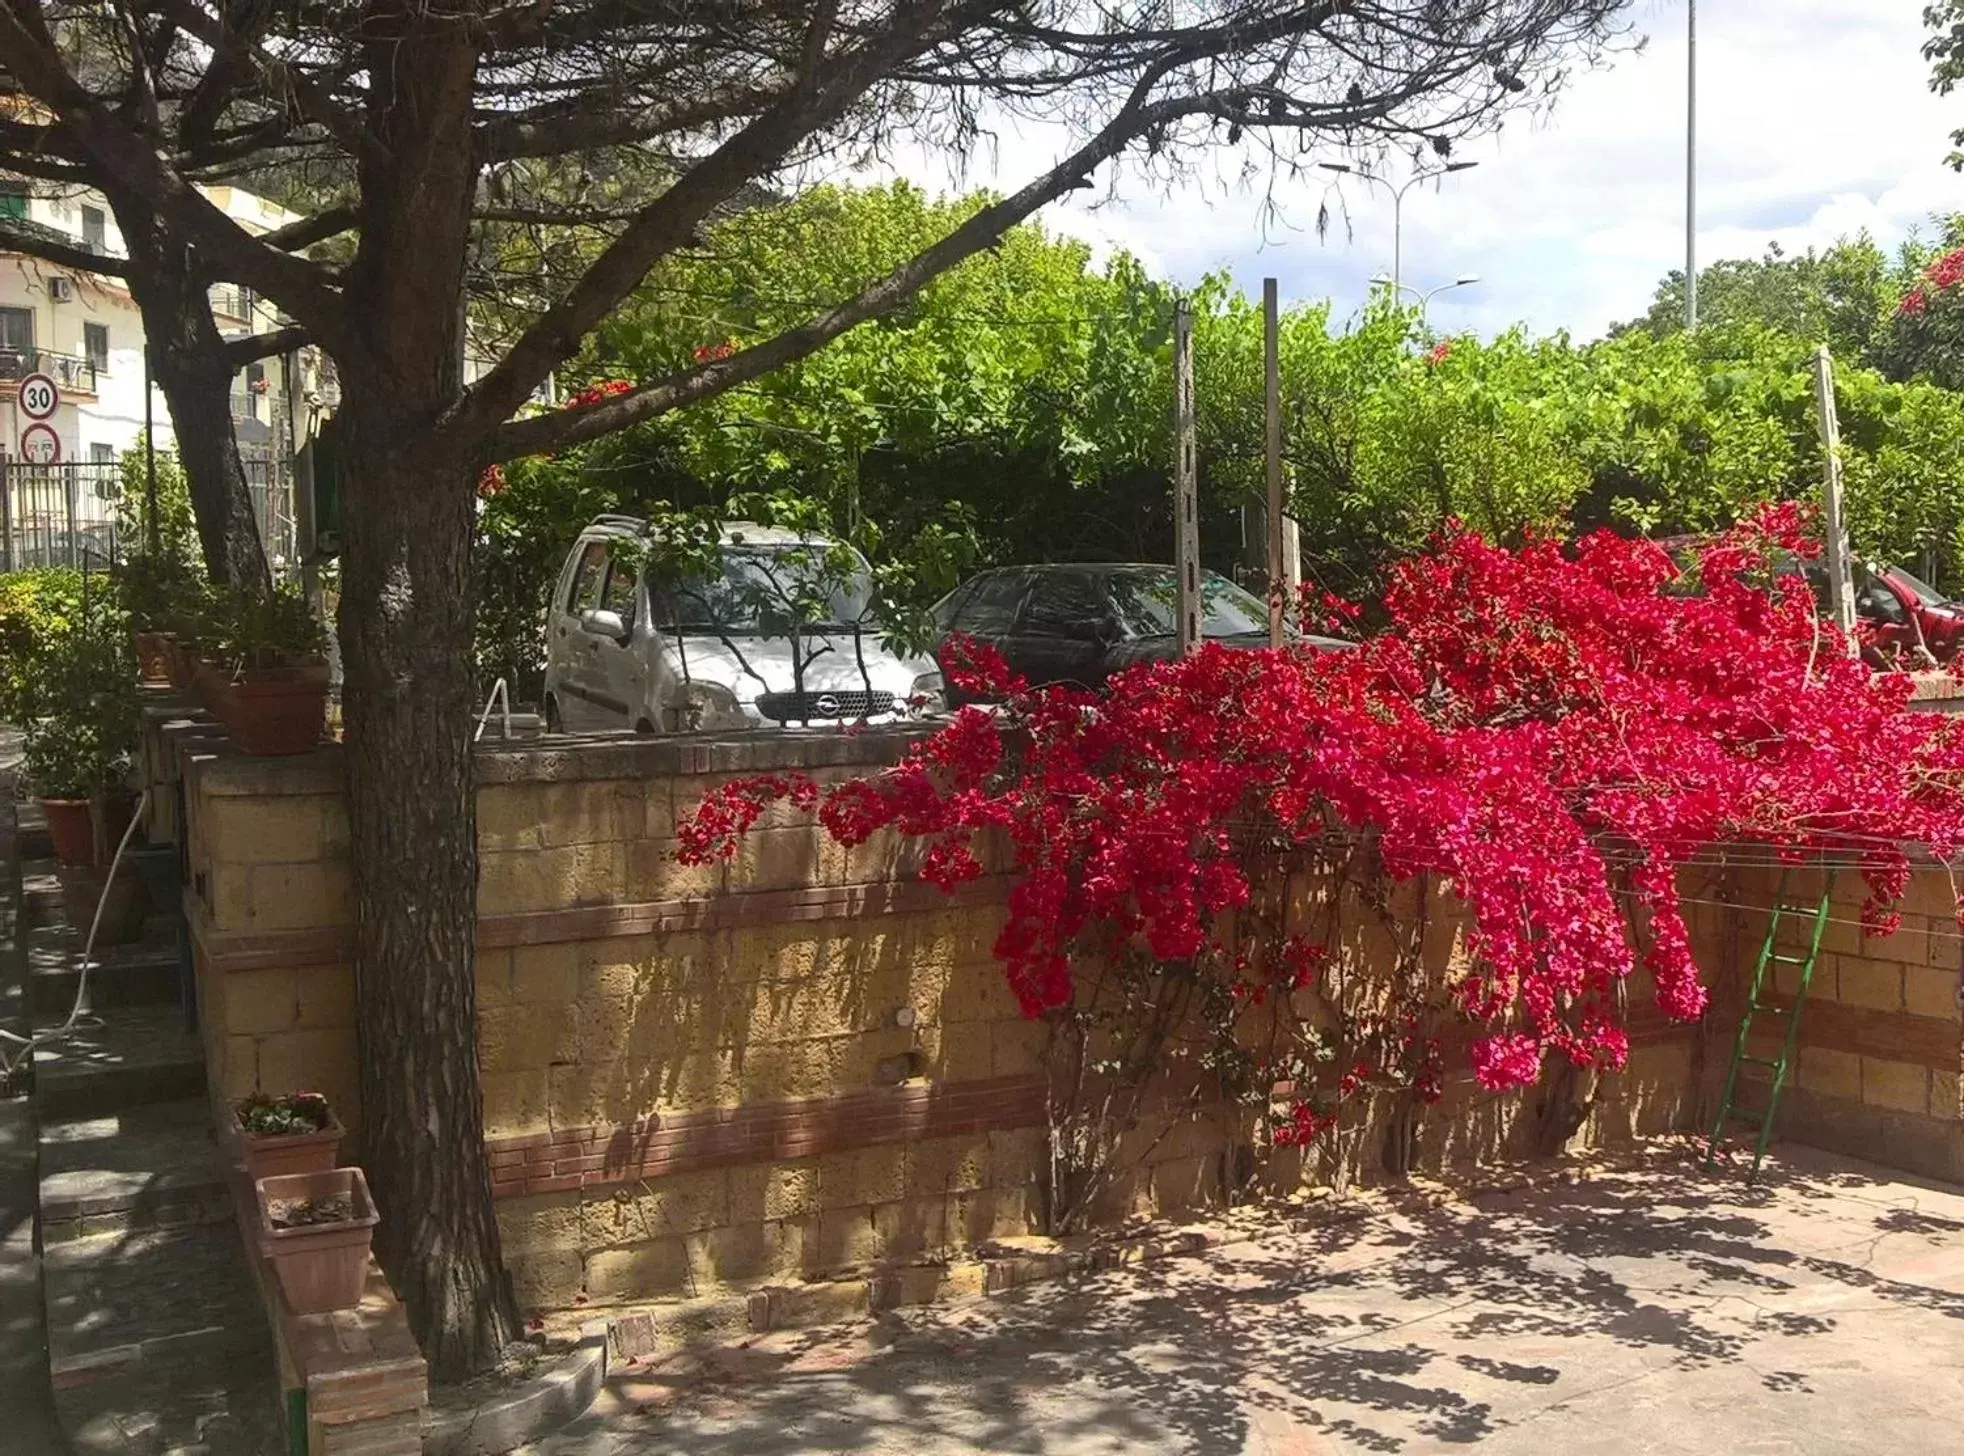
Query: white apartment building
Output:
(84,332)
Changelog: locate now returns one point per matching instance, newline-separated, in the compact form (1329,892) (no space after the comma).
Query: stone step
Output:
(139,1169)
(157,1343)
(121,1058)
(40,892)
(145,973)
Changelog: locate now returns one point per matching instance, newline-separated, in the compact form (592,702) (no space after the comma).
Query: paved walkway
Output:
(1651,1310)
(27,1414)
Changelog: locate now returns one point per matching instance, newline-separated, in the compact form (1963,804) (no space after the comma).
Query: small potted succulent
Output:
(266,672)
(316,1229)
(294,1133)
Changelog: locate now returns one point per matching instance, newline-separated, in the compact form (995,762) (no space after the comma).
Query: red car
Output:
(1902,613)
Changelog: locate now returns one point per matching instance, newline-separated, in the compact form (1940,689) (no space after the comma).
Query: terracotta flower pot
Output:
(208,688)
(323,1266)
(73,830)
(281,1155)
(273,717)
(152,657)
(83,887)
(179,665)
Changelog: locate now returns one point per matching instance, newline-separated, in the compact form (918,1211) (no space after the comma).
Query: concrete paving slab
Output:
(1653,1308)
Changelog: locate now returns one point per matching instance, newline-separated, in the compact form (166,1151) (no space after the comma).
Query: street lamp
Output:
(1397,192)
(1385,281)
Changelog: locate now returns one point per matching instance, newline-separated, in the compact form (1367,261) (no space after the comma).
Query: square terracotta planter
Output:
(152,657)
(321,1267)
(280,1155)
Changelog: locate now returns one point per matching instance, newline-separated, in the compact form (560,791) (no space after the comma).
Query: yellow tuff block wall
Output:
(791,1065)
(1880,1036)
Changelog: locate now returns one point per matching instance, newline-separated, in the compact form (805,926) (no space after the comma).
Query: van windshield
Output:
(772,590)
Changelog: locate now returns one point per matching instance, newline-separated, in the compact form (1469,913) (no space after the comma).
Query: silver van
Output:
(779,636)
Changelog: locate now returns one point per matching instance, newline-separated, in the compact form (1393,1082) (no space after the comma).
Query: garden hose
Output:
(11,1065)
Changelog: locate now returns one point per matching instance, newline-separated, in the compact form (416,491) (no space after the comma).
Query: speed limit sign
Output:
(38,397)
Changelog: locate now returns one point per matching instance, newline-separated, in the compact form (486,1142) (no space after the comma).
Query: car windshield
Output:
(1144,604)
(768,589)
(1930,596)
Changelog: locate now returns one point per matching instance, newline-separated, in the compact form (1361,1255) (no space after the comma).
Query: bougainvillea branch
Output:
(1554,731)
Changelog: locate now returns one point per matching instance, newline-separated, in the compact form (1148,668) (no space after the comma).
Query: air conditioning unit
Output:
(61,290)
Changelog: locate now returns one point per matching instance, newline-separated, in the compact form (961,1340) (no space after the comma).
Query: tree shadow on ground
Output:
(1425,1323)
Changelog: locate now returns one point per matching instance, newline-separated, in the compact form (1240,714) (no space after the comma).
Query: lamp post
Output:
(1691,165)
(1397,191)
(1425,297)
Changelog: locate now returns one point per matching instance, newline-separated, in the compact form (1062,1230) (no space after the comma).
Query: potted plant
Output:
(76,753)
(294,1133)
(266,672)
(316,1228)
(163,595)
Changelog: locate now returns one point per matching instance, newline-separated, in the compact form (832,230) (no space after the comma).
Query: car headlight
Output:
(704,705)
(929,693)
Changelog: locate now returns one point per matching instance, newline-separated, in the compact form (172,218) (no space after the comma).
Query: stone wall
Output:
(1881,1040)
(798,1064)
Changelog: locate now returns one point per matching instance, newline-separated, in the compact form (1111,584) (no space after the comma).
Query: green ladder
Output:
(1769,956)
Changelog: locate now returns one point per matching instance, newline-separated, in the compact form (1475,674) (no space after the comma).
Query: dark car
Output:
(1077,624)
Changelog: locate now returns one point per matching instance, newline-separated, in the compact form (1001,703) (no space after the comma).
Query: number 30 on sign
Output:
(38,397)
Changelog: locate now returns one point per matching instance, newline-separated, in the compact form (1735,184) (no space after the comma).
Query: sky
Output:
(1815,121)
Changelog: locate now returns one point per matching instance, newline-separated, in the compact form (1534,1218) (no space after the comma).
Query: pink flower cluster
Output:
(1554,730)
(1944,273)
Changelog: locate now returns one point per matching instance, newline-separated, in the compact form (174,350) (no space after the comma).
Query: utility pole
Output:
(1186,514)
(1278,578)
(1691,165)
(1841,585)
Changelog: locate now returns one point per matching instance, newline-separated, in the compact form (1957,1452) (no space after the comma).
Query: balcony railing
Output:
(70,372)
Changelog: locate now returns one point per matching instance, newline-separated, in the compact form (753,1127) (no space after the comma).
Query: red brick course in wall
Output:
(687,1142)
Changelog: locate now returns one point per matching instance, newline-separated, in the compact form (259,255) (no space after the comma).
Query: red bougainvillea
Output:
(1946,272)
(1553,730)
(595,393)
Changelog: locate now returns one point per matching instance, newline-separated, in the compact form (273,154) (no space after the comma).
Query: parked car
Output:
(780,634)
(1902,612)
(1077,624)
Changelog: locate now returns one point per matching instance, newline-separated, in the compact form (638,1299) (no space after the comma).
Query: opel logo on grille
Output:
(827,706)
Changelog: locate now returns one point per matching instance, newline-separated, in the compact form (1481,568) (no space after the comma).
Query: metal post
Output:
(150,537)
(1272,421)
(6,514)
(67,480)
(1691,165)
(1186,525)
(1841,586)
(1398,241)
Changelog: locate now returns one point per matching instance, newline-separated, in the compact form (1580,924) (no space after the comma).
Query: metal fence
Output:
(65,515)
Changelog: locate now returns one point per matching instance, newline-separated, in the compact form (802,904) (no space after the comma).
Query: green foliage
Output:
(1019,409)
(250,632)
(177,531)
(87,722)
(1945,52)
(291,1115)
(42,613)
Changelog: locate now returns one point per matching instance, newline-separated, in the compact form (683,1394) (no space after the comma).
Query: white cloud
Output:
(1815,121)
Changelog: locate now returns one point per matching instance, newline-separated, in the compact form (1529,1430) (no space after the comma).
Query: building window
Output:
(17,330)
(95,343)
(13,200)
(95,229)
(100,454)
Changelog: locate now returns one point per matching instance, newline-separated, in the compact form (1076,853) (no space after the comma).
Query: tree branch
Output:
(240,352)
(597,124)
(295,284)
(63,255)
(543,433)
(310,230)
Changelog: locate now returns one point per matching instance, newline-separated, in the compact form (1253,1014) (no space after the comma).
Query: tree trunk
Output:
(187,360)
(406,619)
(405,628)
